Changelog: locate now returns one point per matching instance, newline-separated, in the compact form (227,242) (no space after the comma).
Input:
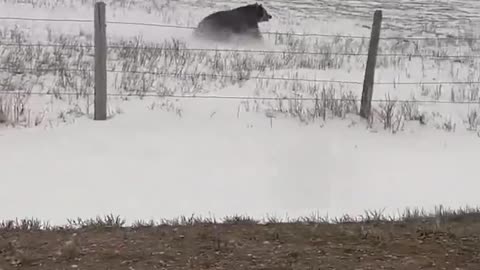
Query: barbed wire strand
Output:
(176,74)
(191,49)
(45,19)
(293,79)
(173,74)
(266,32)
(406,55)
(215,50)
(21,71)
(46,45)
(150,94)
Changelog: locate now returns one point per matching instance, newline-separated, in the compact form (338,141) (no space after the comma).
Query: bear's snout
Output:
(266,17)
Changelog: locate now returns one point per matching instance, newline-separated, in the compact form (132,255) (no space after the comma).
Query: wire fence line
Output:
(246,78)
(182,74)
(150,94)
(406,55)
(258,77)
(47,45)
(293,79)
(264,32)
(32,70)
(237,77)
(215,50)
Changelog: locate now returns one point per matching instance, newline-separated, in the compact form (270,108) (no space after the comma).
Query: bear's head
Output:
(262,14)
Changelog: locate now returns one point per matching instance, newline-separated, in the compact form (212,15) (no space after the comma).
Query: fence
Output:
(100,67)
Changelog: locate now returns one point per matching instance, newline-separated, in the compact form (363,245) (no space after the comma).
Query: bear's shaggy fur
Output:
(243,21)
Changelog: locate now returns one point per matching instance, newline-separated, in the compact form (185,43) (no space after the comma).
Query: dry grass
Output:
(444,239)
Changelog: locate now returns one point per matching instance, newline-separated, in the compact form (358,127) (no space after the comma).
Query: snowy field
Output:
(159,157)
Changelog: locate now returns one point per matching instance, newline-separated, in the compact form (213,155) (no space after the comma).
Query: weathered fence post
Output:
(367,93)
(100,62)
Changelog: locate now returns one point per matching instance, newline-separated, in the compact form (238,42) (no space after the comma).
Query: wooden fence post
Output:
(367,93)
(100,62)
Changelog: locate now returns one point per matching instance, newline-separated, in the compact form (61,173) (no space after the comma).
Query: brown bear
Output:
(243,21)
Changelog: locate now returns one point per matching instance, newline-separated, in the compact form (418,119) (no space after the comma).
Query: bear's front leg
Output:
(255,34)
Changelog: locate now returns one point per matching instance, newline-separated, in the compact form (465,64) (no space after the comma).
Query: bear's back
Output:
(236,19)
(221,25)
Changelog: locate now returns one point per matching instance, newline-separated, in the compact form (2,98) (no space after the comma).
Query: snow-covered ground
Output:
(154,164)
(166,157)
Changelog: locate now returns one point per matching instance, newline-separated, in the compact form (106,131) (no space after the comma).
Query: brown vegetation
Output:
(437,242)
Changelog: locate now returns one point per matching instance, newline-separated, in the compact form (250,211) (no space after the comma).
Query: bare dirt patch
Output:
(415,244)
